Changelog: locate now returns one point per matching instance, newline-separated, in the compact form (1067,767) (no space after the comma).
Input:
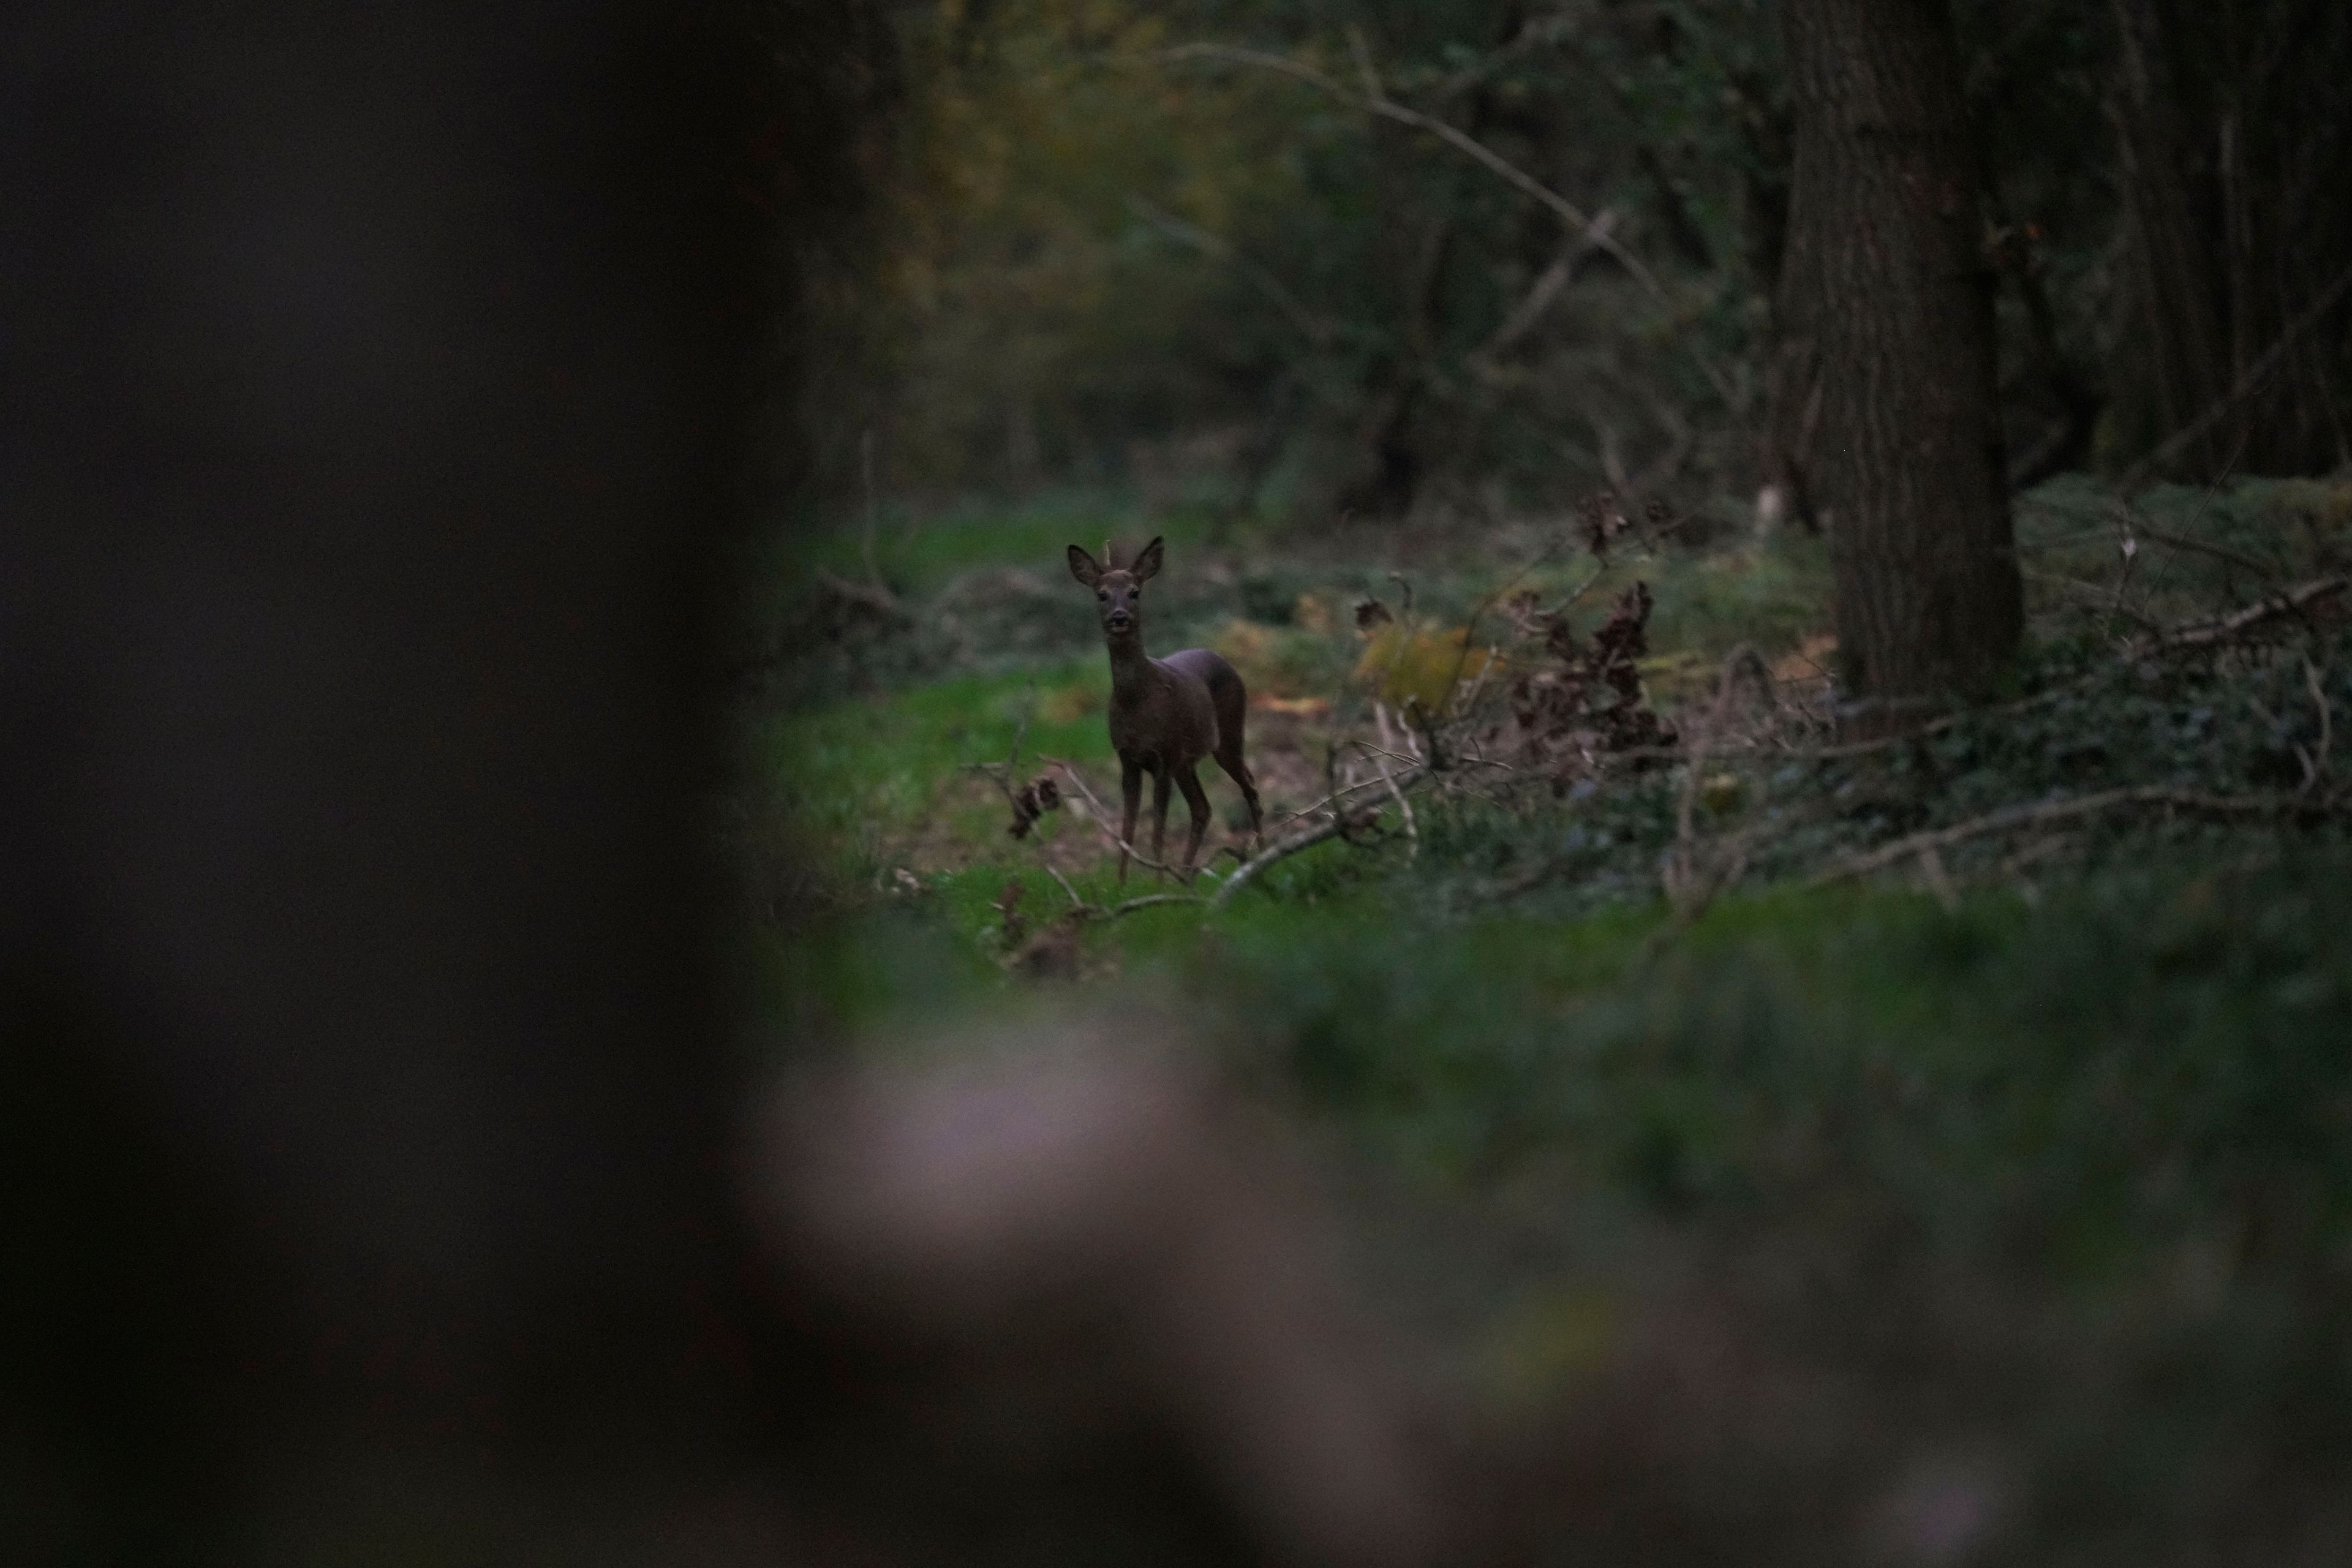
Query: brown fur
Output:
(1166,714)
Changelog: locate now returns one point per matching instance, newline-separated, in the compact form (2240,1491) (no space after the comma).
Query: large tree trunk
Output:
(1888,293)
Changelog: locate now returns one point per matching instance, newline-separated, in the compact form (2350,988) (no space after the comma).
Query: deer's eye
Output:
(1103,596)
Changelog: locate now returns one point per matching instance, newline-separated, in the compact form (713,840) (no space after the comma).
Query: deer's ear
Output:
(1147,565)
(1082,567)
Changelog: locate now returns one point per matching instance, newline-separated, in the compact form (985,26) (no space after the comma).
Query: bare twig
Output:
(1314,328)
(1336,795)
(1689,880)
(2251,381)
(1408,758)
(1542,294)
(1469,703)
(1020,734)
(1075,901)
(1478,611)
(1002,774)
(2091,594)
(2318,690)
(995,773)
(2013,816)
(1149,900)
(1411,828)
(1080,910)
(1375,101)
(1938,880)
(2147,531)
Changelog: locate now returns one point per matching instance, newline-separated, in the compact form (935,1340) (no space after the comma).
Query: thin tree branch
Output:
(1411,828)
(1283,848)
(2013,816)
(2137,477)
(1375,101)
(1316,329)
(2294,602)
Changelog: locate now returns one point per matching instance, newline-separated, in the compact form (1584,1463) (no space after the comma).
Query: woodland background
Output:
(1912,1135)
(1175,244)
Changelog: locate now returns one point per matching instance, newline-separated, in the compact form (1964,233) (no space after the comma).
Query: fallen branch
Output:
(2294,602)
(2007,817)
(1339,821)
(1147,901)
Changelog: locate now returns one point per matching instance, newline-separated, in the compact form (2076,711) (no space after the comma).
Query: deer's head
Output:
(1118,590)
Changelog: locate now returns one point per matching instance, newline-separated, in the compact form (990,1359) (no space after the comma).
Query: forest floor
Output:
(1993,1086)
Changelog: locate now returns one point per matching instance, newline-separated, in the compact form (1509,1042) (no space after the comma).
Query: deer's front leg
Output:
(1160,782)
(1197,799)
(1131,785)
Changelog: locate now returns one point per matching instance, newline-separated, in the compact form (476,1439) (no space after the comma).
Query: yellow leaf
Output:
(1421,668)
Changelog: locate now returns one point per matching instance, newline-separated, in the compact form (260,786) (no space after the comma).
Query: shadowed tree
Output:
(1886,301)
(2232,131)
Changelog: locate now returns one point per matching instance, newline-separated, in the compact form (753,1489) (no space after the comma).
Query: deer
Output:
(1166,714)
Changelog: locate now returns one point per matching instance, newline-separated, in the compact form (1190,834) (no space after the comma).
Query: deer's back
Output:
(1171,717)
(1227,697)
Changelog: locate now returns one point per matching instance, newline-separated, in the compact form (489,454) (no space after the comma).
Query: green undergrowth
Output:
(2095,1022)
(2089,1073)
(877,771)
(865,775)
(988,591)
(2144,1054)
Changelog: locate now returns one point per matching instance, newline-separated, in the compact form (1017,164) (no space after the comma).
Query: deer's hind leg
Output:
(1228,757)
(1197,798)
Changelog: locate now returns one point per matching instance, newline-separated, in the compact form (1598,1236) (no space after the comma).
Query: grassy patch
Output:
(870,775)
(2089,1082)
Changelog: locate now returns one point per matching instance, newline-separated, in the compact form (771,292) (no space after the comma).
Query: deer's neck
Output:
(1130,667)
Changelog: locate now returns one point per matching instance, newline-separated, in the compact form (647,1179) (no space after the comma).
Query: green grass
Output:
(2107,1097)
(2143,1055)
(863,771)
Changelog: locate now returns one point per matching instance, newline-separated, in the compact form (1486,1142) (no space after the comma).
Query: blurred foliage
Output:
(1172,246)
(1114,258)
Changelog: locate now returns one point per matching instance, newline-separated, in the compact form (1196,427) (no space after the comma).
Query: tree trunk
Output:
(1887,276)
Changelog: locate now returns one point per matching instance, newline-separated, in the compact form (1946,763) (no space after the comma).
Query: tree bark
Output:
(1889,297)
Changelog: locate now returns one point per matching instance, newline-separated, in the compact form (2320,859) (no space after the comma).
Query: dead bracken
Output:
(1588,698)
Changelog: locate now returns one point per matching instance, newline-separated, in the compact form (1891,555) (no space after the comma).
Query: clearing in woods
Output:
(2013,1052)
